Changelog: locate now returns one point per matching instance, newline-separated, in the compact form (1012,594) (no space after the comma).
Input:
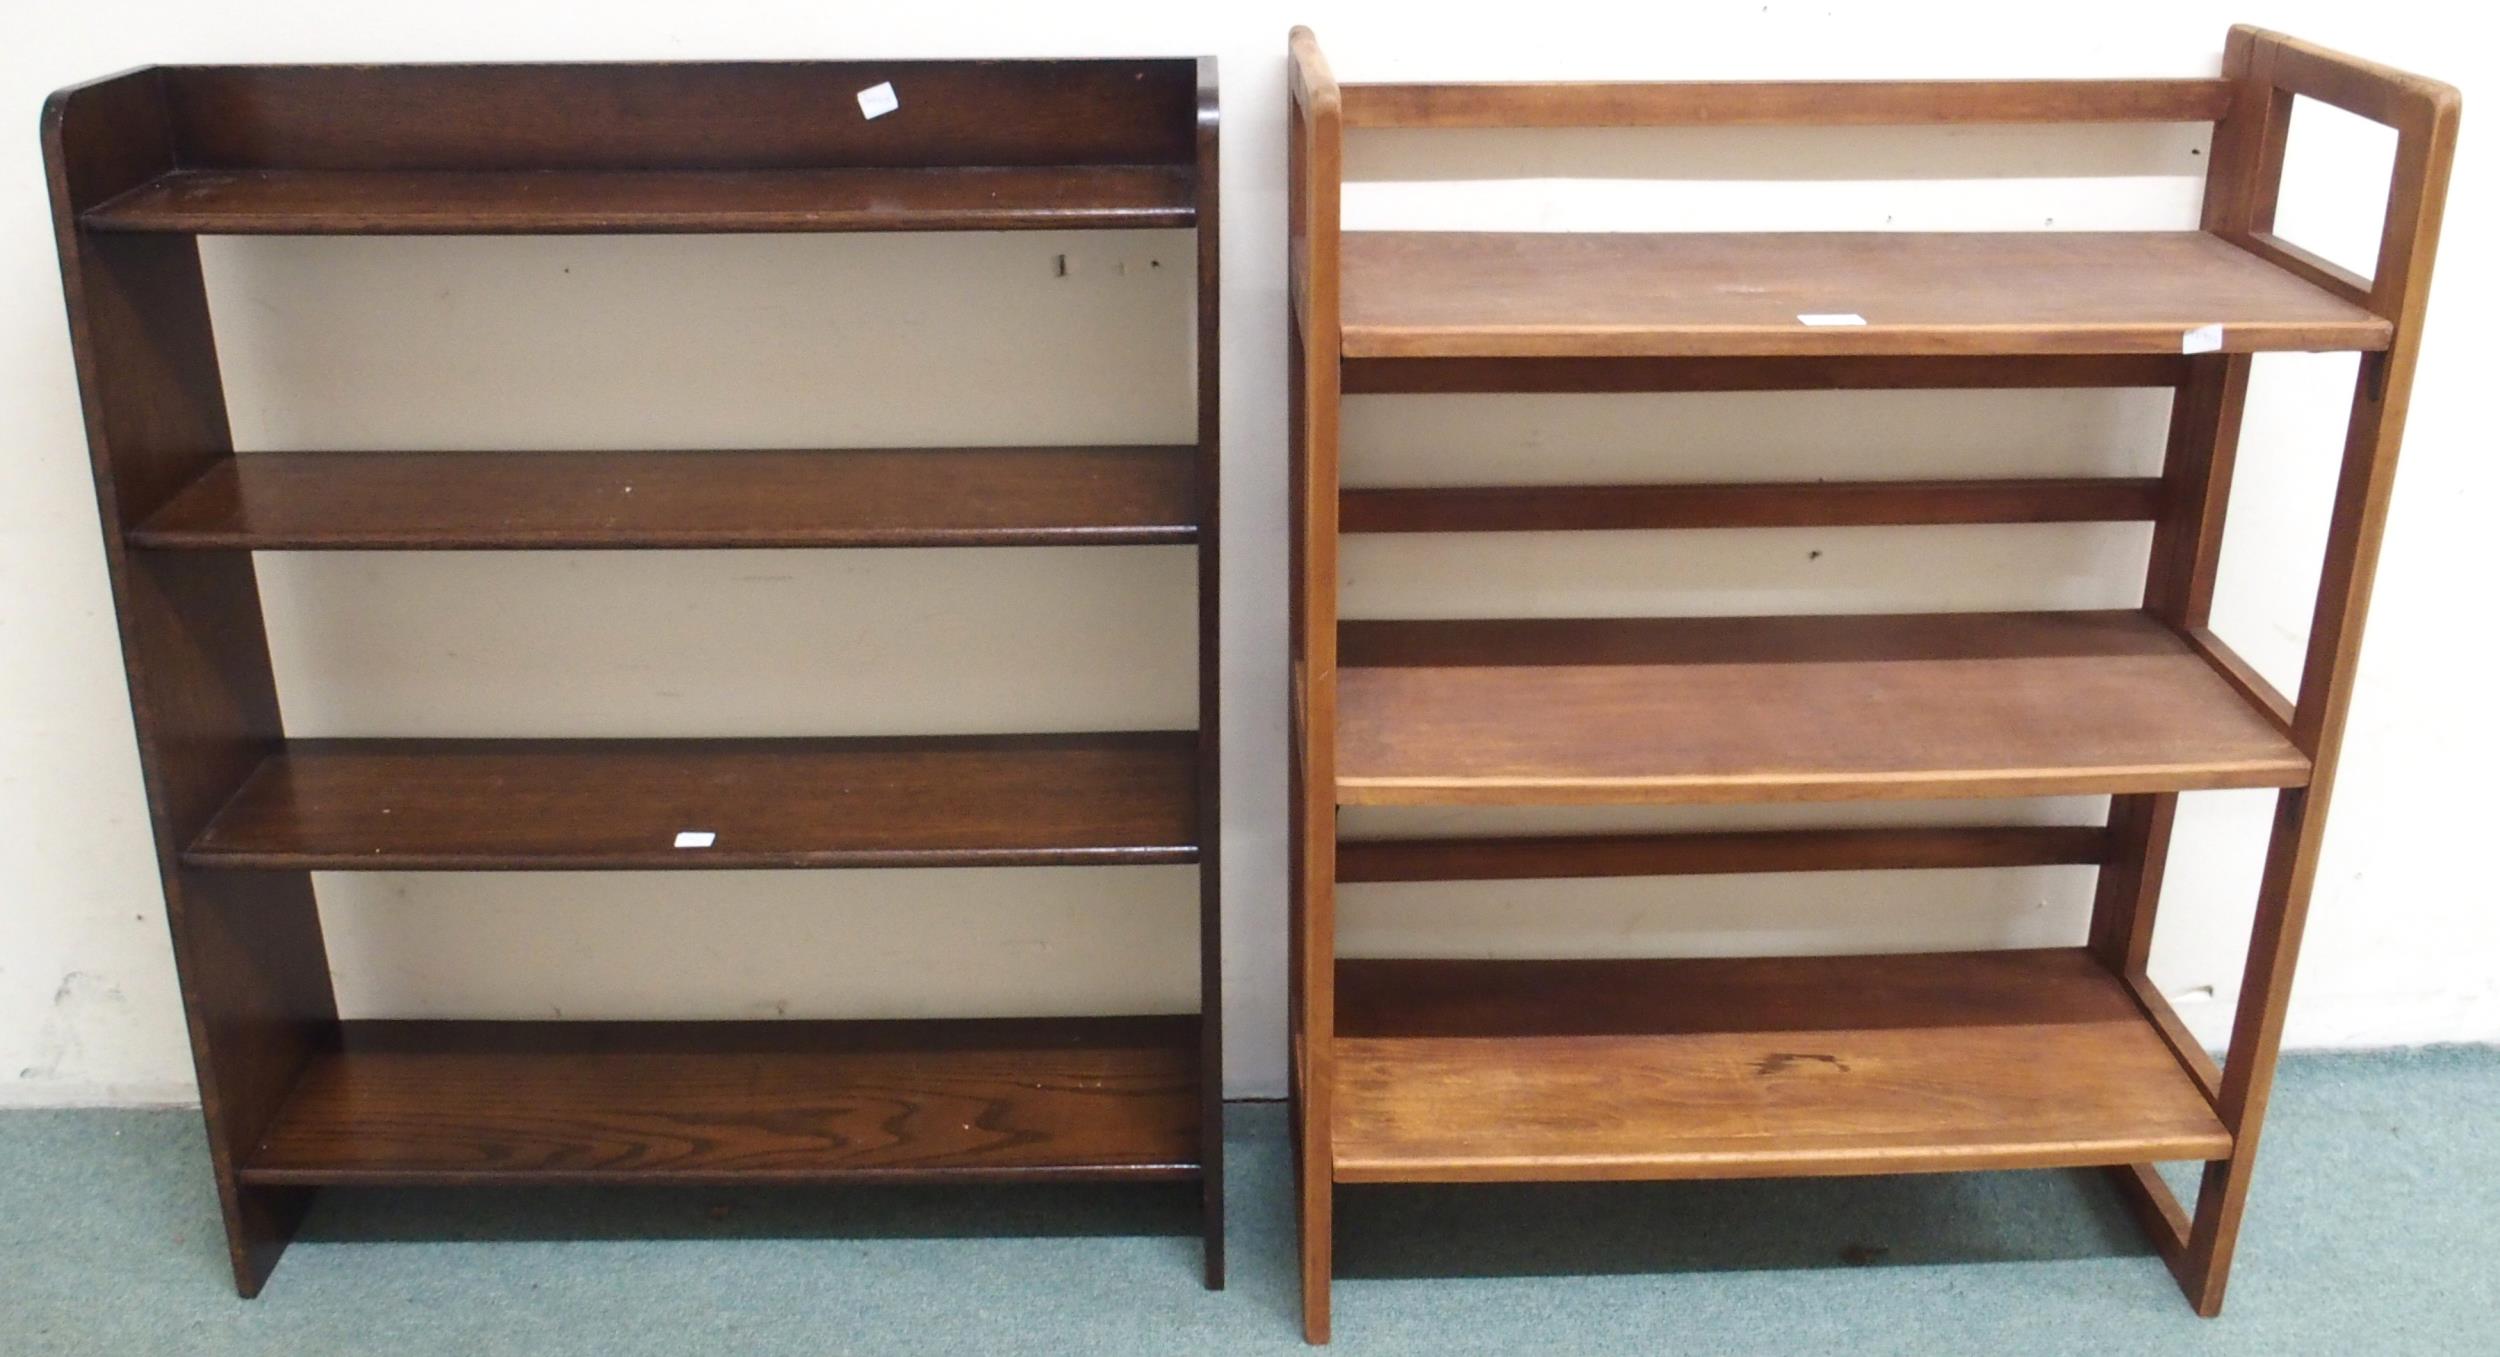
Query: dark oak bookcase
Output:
(1414,1070)
(143,163)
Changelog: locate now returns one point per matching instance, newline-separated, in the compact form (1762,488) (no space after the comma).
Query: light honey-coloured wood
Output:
(1717,710)
(1802,103)
(1472,1070)
(1481,294)
(1477,1071)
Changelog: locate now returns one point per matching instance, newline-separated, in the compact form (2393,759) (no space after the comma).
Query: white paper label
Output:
(2202,339)
(694,838)
(1831,318)
(878,100)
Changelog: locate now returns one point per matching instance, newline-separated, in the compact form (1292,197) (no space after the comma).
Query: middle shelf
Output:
(1725,709)
(505,805)
(859,497)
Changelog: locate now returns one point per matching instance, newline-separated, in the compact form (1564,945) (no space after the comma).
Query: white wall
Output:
(825,341)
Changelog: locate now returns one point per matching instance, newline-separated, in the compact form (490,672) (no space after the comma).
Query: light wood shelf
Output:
(1484,1071)
(1469,294)
(1717,710)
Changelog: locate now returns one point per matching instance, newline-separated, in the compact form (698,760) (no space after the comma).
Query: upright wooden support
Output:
(1210,299)
(1316,171)
(247,946)
(2270,70)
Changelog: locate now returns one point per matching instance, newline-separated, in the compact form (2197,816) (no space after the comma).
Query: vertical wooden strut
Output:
(247,945)
(2269,70)
(1210,678)
(1316,175)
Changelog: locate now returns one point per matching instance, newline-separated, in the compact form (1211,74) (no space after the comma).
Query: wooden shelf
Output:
(905,497)
(477,805)
(1682,710)
(1449,294)
(403,1103)
(1759,1067)
(552,202)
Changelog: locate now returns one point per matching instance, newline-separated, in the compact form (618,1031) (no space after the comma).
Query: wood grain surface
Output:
(401,1102)
(1690,710)
(886,497)
(1752,1067)
(1459,294)
(926,801)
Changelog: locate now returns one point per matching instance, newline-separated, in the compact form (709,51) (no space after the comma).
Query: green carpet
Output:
(2375,1229)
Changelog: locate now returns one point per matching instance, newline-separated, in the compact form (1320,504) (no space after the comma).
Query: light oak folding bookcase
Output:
(1461,1071)
(142,164)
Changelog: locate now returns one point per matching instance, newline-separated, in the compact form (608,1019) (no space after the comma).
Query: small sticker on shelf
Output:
(878,100)
(1830,318)
(2202,339)
(695,838)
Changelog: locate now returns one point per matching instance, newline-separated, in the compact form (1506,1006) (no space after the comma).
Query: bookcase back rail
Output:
(1801,504)
(1435,376)
(1719,853)
(661,116)
(1812,103)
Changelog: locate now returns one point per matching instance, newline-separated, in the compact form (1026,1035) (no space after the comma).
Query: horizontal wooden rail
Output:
(2308,264)
(2244,676)
(2382,94)
(1829,103)
(2193,1057)
(1718,853)
(1439,376)
(1808,504)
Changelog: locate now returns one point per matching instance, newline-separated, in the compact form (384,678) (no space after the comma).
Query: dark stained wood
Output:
(513,1103)
(1475,294)
(1557,856)
(746,115)
(141,163)
(1688,710)
(1804,504)
(1209,517)
(1426,376)
(651,202)
(511,805)
(904,497)
(1807,103)
(1457,1071)
(248,950)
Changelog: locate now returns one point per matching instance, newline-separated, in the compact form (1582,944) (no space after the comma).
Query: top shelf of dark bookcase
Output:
(635,148)
(430,203)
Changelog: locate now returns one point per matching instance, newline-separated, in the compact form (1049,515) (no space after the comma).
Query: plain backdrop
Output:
(689,342)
